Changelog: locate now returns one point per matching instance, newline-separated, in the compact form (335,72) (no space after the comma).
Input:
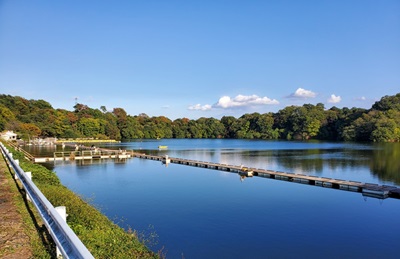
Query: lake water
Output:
(203,213)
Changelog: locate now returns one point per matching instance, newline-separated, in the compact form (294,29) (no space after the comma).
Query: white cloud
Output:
(334,99)
(227,102)
(362,98)
(243,100)
(302,93)
(199,107)
(165,106)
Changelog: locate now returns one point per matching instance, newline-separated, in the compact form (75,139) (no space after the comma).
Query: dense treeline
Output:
(33,118)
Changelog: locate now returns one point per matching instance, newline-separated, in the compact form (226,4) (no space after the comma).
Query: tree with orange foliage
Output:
(28,130)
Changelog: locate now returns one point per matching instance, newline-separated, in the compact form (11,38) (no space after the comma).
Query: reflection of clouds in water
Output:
(297,171)
(224,174)
(200,154)
(238,158)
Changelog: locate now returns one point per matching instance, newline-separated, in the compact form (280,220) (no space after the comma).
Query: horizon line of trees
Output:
(37,118)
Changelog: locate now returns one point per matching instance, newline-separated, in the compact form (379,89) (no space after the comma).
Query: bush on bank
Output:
(102,237)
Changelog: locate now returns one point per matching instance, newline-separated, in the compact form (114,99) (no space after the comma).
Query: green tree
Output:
(241,128)
(388,103)
(214,128)
(265,126)
(228,122)
(344,125)
(385,130)
(283,120)
(111,128)
(91,127)
(329,126)
(180,128)
(300,122)
(122,122)
(29,130)
(194,129)
(5,116)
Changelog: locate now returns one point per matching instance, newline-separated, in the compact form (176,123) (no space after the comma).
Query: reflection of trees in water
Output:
(304,160)
(314,160)
(196,154)
(385,162)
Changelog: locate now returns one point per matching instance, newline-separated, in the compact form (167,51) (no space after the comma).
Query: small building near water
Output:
(9,135)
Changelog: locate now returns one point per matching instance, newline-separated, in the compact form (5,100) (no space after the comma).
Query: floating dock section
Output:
(367,189)
(83,155)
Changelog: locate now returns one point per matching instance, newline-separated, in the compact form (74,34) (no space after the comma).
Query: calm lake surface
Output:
(203,213)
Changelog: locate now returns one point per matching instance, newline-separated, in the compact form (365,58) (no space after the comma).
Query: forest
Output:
(37,118)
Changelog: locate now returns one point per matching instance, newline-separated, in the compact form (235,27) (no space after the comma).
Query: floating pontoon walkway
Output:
(83,155)
(367,189)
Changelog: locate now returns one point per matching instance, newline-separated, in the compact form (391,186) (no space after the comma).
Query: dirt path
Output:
(14,243)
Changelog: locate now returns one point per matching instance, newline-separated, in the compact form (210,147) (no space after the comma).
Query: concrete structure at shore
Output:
(9,135)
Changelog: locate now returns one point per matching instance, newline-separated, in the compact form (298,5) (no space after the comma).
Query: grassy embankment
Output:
(102,237)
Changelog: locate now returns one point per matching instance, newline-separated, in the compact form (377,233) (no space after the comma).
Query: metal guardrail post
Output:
(29,175)
(62,211)
(69,245)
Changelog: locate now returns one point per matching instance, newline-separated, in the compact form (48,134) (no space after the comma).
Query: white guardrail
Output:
(68,244)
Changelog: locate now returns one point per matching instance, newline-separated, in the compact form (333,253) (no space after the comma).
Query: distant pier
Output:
(82,155)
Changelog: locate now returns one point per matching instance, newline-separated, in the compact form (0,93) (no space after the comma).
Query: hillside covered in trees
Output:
(37,118)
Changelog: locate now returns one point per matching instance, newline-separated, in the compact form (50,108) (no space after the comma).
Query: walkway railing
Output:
(68,244)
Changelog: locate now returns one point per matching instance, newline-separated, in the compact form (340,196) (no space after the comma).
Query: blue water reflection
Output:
(202,213)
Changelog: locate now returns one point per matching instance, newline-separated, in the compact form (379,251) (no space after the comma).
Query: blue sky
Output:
(200,58)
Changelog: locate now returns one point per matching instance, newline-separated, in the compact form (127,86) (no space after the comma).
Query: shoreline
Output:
(103,237)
